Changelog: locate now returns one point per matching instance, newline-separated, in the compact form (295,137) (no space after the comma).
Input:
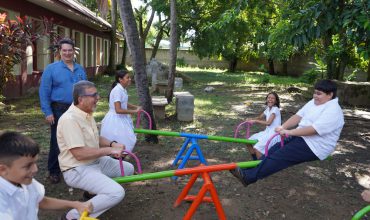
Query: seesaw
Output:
(85,216)
(193,139)
(189,138)
(195,172)
(361,213)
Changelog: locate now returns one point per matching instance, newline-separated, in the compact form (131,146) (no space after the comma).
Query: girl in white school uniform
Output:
(271,118)
(117,124)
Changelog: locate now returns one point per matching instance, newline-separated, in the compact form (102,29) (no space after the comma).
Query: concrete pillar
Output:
(184,106)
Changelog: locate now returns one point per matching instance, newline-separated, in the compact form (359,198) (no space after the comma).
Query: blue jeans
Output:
(295,151)
(53,164)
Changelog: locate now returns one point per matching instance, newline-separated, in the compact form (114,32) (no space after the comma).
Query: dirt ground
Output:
(327,189)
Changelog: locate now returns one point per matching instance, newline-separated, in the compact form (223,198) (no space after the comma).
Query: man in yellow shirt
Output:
(84,155)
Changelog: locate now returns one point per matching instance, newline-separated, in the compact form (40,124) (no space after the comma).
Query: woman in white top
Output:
(271,118)
(117,124)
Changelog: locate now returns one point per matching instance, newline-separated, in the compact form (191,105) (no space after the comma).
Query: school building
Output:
(90,33)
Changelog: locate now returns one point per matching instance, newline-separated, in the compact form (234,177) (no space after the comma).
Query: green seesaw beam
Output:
(198,136)
(186,171)
(361,213)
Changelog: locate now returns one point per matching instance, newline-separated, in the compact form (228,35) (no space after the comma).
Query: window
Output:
(78,39)
(99,52)
(89,51)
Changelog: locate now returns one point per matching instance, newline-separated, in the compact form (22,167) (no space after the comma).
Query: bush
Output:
(310,76)
(181,62)
(265,78)
(262,68)
(352,76)
(121,67)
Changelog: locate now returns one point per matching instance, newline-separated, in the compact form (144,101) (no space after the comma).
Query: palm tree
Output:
(173,51)
(132,37)
(112,52)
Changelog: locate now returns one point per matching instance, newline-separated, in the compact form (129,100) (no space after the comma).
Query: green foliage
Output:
(181,62)
(356,21)
(342,27)
(224,29)
(279,46)
(265,79)
(262,68)
(352,76)
(15,36)
(121,67)
(310,76)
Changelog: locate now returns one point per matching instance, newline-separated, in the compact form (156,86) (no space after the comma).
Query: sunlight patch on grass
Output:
(191,69)
(216,83)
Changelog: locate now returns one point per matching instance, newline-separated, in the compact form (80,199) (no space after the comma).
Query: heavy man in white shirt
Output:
(313,134)
(84,155)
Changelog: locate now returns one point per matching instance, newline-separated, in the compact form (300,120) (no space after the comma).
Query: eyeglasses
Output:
(94,95)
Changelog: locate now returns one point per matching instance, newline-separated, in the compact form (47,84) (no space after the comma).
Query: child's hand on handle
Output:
(366,195)
(251,120)
(138,108)
(84,206)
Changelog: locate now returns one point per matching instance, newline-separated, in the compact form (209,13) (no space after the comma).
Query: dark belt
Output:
(60,105)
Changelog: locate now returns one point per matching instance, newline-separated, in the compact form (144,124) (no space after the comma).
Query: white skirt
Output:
(119,127)
(262,138)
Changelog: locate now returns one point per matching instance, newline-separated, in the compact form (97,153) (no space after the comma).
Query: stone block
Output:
(162,87)
(159,106)
(178,83)
(354,93)
(184,106)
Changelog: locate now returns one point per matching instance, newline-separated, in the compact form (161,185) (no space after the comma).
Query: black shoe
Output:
(54,178)
(238,173)
(87,196)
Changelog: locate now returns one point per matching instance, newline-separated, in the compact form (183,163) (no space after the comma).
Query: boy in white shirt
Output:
(21,195)
(314,131)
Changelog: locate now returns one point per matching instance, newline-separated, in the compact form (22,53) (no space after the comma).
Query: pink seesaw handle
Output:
(139,117)
(138,164)
(247,134)
(269,141)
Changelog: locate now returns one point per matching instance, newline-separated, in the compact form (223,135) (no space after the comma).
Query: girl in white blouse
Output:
(271,118)
(117,124)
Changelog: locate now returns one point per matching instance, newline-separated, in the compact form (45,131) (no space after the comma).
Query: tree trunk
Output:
(156,45)
(285,68)
(173,51)
(124,52)
(368,72)
(159,37)
(103,8)
(232,65)
(342,65)
(112,53)
(144,33)
(271,66)
(141,80)
(328,59)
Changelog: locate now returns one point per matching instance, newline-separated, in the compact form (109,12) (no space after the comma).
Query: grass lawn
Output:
(25,115)
(327,189)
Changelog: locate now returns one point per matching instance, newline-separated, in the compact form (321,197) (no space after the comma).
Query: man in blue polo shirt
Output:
(56,96)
